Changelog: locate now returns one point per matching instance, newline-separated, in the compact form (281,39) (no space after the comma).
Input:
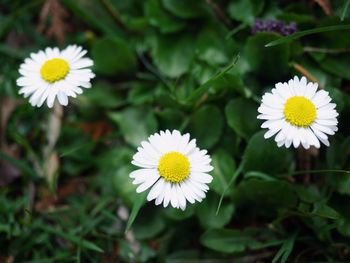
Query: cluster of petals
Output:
(192,189)
(273,107)
(39,90)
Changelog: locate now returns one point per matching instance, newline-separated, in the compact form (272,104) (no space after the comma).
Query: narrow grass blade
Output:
(305,33)
(21,165)
(345,9)
(135,209)
(72,238)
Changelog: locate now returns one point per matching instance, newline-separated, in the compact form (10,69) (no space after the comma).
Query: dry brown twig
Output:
(52,20)
(325,5)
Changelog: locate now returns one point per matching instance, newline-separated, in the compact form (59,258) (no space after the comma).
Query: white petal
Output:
(174,197)
(201,177)
(181,197)
(148,183)
(62,98)
(167,194)
(156,190)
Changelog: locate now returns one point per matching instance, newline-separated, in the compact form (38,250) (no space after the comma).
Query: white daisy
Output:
(173,167)
(53,73)
(298,114)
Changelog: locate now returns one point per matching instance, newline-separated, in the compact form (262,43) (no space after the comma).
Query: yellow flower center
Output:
(174,167)
(54,69)
(299,111)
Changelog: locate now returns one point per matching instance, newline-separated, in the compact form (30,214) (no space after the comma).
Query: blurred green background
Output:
(191,65)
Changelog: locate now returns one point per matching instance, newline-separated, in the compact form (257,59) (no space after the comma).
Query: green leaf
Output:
(205,87)
(345,9)
(323,210)
(245,10)
(234,241)
(103,95)
(92,14)
(227,240)
(185,8)
(122,61)
(259,175)
(184,256)
(241,117)
(72,238)
(285,250)
(177,214)
(206,125)
(162,19)
(148,225)
(224,168)
(173,54)
(20,164)
(123,184)
(299,34)
(206,212)
(268,63)
(259,196)
(136,124)
(140,200)
(337,65)
(211,46)
(338,97)
(263,155)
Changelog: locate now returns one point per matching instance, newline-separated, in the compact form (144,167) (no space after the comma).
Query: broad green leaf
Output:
(178,214)
(323,210)
(205,87)
(123,60)
(224,167)
(211,46)
(234,241)
(308,194)
(245,10)
(206,126)
(148,225)
(338,97)
(241,117)
(336,64)
(228,240)
(135,124)
(172,118)
(159,17)
(267,62)
(263,155)
(103,95)
(92,14)
(173,54)
(259,196)
(123,186)
(299,34)
(206,213)
(184,256)
(185,8)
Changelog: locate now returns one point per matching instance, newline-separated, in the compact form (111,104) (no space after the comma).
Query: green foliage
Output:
(122,61)
(190,65)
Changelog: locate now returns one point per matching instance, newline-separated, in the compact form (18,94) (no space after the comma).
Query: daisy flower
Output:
(53,73)
(173,167)
(298,114)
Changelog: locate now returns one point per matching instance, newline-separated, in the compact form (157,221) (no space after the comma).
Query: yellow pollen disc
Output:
(299,111)
(54,70)
(174,167)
